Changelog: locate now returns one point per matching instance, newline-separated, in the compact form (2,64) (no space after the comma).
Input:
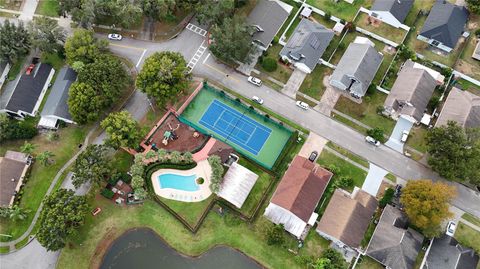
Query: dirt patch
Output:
(373,21)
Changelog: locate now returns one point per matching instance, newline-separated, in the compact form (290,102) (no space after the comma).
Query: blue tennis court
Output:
(232,125)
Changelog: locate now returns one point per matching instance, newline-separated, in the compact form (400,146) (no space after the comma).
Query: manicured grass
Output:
(41,176)
(258,190)
(122,161)
(16,69)
(88,247)
(471,218)
(313,83)
(391,177)
(53,59)
(341,9)
(283,72)
(4,249)
(348,154)
(468,236)
(416,138)
(425,5)
(291,17)
(467,85)
(349,123)
(419,259)
(48,8)
(191,212)
(383,29)
(366,112)
(368,234)
(7,14)
(368,263)
(346,169)
(22,243)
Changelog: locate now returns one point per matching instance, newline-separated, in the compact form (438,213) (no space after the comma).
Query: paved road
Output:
(188,42)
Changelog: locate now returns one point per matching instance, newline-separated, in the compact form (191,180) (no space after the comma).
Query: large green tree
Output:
(212,12)
(331,259)
(455,153)
(63,213)
(11,129)
(83,103)
(14,41)
(83,47)
(163,76)
(426,204)
(124,13)
(473,6)
(231,40)
(122,130)
(92,166)
(46,35)
(157,9)
(107,76)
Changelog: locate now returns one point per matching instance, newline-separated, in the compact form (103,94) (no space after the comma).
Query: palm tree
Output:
(161,153)
(44,157)
(27,148)
(188,157)
(175,156)
(18,213)
(151,154)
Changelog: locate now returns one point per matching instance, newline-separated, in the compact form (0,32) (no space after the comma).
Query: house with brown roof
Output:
(13,169)
(393,243)
(347,217)
(297,195)
(462,107)
(410,94)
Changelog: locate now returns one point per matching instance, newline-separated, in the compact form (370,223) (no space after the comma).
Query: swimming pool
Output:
(178,182)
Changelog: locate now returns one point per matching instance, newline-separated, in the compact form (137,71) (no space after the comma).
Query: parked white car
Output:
(115,37)
(372,141)
(451,227)
(302,105)
(257,100)
(255,81)
(404,136)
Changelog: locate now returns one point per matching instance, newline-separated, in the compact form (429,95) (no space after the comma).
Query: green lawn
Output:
(466,64)
(349,123)
(471,218)
(313,83)
(348,154)
(425,5)
(7,14)
(41,176)
(368,263)
(48,8)
(191,212)
(341,9)
(295,6)
(283,72)
(53,59)
(383,29)
(416,138)
(346,169)
(467,85)
(292,28)
(468,236)
(258,190)
(10,4)
(88,247)
(366,112)
(16,69)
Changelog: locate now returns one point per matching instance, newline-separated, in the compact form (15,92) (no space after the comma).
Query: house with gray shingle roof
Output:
(446,253)
(266,19)
(444,25)
(307,45)
(410,94)
(56,107)
(22,97)
(392,12)
(462,107)
(356,69)
(393,243)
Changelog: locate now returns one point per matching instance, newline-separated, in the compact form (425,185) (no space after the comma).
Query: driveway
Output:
(394,140)
(294,83)
(329,98)
(32,255)
(314,142)
(374,179)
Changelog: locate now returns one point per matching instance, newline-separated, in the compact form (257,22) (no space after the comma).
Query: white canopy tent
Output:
(237,184)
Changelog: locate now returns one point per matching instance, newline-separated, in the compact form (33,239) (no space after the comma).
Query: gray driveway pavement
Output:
(374,179)
(394,142)
(294,83)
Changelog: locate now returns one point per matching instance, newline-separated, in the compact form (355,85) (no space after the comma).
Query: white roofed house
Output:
(392,12)
(307,45)
(56,107)
(237,184)
(297,195)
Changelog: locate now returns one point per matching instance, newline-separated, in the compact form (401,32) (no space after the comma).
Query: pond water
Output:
(142,248)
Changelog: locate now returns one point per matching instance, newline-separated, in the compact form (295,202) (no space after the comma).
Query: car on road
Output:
(404,136)
(254,81)
(115,37)
(372,141)
(302,105)
(313,156)
(451,228)
(257,100)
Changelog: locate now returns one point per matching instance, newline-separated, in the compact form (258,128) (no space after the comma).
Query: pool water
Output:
(178,182)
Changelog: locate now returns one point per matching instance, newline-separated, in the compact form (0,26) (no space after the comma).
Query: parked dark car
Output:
(313,156)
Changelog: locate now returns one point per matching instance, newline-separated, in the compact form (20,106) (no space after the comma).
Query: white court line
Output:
(141,57)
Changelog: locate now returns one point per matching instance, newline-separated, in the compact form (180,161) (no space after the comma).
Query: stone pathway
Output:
(294,83)
(329,98)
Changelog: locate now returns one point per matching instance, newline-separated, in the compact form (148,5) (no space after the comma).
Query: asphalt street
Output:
(188,43)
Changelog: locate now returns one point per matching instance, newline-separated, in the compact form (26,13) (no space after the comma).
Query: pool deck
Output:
(202,169)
